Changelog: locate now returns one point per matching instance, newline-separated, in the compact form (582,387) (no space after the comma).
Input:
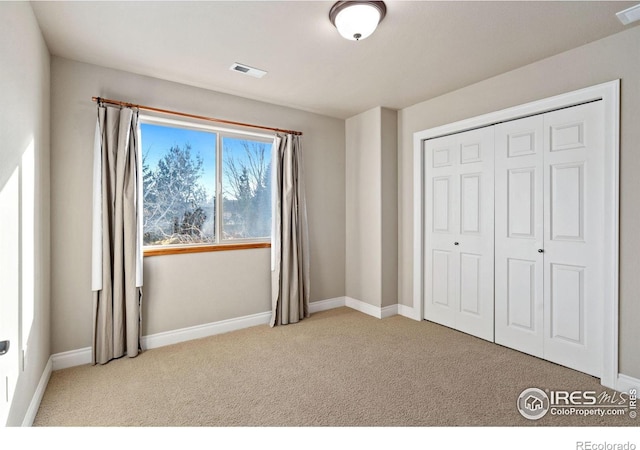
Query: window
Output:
(204,186)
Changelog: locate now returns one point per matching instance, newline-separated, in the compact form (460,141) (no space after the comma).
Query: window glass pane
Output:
(178,167)
(246,188)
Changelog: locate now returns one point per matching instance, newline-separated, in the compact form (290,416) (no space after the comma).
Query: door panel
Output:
(521,211)
(440,217)
(567,201)
(519,235)
(475,233)
(459,232)
(441,205)
(470,293)
(442,156)
(9,290)
(521,294)
(521,143)
(470,152)
(440,274)
(574,224)
(567,303)
(470,203)
(566,136)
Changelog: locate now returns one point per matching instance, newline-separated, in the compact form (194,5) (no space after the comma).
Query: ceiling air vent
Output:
(243,68)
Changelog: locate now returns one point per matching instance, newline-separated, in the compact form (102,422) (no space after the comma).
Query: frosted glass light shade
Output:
(357,20)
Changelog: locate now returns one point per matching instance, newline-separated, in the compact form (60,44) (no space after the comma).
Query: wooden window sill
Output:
(204,248)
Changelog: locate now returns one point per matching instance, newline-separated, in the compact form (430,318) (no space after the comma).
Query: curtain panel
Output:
(290,238)
(117,235)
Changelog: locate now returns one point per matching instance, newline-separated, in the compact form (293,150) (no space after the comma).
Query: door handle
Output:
(456,243)
(540,250)
(4,347)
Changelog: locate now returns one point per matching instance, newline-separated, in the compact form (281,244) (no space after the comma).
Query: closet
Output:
(513,234)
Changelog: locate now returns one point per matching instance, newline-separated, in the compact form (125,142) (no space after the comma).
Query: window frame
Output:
(220,133)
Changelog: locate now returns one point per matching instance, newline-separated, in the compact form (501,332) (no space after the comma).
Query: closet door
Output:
(549,236)
(519,235)
(573,228)
(474,228)
(441,214)
(459,231)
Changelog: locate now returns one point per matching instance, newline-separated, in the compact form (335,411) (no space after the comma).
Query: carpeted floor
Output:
(338,368)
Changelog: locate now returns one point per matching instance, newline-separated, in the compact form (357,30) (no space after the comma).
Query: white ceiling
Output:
(421,49)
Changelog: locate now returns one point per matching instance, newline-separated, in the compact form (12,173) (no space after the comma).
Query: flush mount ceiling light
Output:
(357,20)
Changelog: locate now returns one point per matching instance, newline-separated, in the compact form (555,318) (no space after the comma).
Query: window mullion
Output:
(219,206)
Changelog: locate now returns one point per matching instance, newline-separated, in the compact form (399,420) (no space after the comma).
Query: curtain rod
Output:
(192,116)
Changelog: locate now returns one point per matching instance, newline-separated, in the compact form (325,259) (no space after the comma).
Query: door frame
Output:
(609,94)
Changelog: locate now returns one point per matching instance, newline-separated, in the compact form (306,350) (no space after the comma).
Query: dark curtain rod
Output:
(191,116)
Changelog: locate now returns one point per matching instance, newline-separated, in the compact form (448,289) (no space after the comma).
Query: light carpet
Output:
(337,368)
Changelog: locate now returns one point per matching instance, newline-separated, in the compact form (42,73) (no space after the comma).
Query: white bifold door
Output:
(531,269)
(549,222)
(10,292)
(459,231)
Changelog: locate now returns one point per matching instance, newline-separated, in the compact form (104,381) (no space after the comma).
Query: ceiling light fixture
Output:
(356,20)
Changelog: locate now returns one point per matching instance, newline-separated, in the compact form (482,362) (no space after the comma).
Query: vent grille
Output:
(247,70)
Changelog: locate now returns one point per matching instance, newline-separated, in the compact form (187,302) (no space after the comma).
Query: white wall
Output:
(191,289)
(371,198)
(615,57)
(24,119)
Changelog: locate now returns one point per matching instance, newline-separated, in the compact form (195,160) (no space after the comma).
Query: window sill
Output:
(204,248)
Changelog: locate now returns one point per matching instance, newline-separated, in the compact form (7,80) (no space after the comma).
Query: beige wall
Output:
(363,205)
(24,117)
(389,209)
(371,199)
(179,290)
(615,57)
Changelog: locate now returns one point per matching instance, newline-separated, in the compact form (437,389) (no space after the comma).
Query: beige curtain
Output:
(289,239)
(117,252)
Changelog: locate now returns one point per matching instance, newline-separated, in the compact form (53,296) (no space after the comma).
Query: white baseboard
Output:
(71,358)
(371,310)
(323,305)
(30,415)
(83,356)
(389,311)
(201,331)
(353,303)
(625,383)
(356,304)
(363,307)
